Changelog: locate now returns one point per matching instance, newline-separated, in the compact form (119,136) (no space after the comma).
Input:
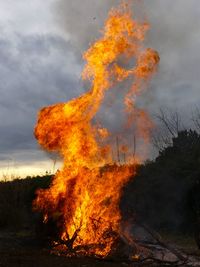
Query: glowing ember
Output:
(85,194)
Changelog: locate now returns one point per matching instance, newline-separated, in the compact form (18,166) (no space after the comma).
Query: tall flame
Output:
(86,192)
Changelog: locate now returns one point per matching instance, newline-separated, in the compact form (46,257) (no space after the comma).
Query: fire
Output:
(84,195)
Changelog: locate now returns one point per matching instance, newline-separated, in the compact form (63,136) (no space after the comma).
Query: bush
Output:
(16,202)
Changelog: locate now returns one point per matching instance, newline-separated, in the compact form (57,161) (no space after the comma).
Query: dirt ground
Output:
(23,250)
(38,257)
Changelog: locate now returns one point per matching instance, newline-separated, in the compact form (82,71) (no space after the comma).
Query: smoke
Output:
(173,33)
(82,25)
(81,21)
(174,27)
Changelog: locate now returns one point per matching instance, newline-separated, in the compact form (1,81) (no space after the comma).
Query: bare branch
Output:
(170,125)
(196,118)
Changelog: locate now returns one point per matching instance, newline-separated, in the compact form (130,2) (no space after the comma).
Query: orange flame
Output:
(86,192)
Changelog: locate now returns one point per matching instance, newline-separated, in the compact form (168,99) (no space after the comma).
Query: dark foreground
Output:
(21,250)
(42,258)
(39,257)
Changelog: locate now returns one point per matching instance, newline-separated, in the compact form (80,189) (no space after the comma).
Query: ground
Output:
(21,250)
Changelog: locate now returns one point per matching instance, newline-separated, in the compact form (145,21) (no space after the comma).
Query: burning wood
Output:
(152,251)
(84,193)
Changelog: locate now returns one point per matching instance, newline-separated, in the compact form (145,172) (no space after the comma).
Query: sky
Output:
(41,46)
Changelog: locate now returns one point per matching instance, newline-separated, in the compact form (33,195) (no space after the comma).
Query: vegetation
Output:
(16,202)
(165,194)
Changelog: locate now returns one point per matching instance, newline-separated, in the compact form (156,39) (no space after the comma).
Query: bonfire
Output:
(83,199)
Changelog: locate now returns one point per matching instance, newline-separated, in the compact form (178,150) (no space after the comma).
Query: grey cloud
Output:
(39,70)
(174,33)
(35,71)
(82,21)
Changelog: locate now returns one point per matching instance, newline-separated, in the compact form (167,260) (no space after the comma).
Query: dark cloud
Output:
(39,70)
(35,71)
(174,33)
(82,22)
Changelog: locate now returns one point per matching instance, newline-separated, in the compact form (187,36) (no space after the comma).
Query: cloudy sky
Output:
(41,43)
